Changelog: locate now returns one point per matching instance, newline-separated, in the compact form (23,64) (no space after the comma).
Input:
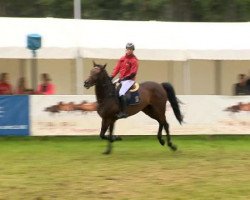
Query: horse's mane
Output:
(105,87)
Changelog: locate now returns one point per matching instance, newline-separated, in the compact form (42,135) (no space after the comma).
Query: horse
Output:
(86,107)
(239,107)
(153,98)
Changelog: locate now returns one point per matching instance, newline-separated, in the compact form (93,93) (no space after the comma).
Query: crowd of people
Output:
(242,87)
(46,87)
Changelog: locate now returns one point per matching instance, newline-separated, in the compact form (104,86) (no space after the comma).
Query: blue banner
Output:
(14,115)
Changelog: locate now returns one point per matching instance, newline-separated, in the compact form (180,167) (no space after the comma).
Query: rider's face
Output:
(129,51)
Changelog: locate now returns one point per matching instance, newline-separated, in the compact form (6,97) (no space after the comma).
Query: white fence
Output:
(203,114)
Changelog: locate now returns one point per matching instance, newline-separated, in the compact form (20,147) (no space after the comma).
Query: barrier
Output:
(14,115)
(40,115)
(203,114)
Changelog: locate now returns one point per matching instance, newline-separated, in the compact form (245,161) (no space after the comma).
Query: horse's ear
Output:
(104,66)
(94,64)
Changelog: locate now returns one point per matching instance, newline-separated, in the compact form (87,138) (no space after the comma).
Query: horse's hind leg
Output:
(159,135)
(153,113)
(159,115)
(162,142)
(169,142)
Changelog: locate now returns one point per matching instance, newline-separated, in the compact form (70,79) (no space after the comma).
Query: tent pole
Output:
(78,60)
(170,71)
(77,9)
(217,77)
(186,78)
(21,68)
(79,73)
(34,80)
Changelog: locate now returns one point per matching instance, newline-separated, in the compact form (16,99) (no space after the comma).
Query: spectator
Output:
(21,87)
(5,86)
(46,87)
(240,88)
(248,83)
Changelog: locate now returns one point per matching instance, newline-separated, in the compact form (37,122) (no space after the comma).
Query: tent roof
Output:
(154,40)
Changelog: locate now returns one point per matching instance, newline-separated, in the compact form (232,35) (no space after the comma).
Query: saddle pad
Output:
(133,98)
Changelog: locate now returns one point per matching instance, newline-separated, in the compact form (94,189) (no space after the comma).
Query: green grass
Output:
(72,168)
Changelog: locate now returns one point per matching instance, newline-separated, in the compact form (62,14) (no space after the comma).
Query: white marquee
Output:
(70,38)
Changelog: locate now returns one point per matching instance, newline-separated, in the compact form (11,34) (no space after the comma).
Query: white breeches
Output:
(125,86)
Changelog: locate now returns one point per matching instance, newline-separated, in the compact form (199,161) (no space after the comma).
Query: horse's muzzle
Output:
(86,85)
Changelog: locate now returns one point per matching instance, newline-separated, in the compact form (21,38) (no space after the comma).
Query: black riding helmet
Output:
(130,46)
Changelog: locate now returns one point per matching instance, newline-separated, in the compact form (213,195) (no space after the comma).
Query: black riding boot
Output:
(123,105)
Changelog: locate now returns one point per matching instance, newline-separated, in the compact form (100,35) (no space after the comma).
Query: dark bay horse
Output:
(153,98)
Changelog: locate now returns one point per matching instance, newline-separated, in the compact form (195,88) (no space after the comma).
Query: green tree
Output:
(164,10)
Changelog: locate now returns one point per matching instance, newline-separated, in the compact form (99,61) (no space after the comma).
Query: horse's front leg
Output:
(110,139)
(106,123)
(104,129)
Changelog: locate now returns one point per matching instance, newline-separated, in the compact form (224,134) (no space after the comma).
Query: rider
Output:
(127,67)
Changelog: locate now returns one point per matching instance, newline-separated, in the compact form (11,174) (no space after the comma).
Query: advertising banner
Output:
(212,114)
(61,115)
(203,114)
(14,115)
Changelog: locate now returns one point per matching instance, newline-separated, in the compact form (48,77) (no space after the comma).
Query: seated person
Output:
(248,83)
(46,87)
(5,86)
(240,88)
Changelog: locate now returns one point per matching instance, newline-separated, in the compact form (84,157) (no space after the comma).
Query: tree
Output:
(164,10)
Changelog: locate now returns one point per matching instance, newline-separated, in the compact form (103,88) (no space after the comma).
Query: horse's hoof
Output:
(117,138)
(173,147)
(106,152)
(162,142)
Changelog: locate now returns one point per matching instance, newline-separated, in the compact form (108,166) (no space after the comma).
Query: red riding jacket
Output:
(127,66)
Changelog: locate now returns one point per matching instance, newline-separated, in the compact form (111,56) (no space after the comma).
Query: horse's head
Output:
(95,75)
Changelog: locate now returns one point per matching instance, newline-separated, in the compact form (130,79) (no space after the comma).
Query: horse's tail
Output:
(173,101)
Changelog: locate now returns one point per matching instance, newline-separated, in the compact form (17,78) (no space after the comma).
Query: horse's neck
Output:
(104,90)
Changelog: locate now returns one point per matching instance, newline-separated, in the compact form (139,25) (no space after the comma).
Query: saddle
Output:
(132,95)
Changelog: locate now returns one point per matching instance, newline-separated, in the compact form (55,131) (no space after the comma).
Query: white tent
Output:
(105,39)
(71,38)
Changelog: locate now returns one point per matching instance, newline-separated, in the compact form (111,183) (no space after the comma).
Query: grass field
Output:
(72,168)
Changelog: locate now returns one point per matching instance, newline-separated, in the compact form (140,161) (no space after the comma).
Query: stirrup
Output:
(122,115)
